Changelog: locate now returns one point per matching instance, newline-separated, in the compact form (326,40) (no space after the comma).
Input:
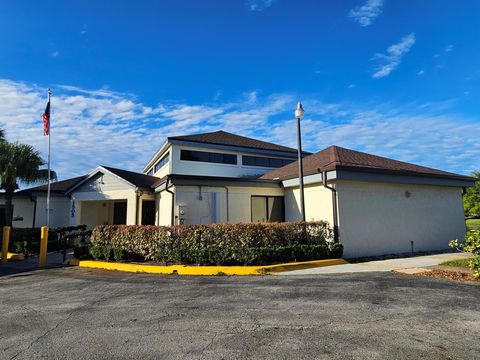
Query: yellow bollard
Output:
(42,259)
(5,240)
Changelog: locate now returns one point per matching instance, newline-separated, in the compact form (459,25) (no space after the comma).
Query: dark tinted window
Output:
(203,156)
(267,208)
(163,161)
(264,161)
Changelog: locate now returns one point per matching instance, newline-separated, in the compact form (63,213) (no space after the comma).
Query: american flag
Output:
(46,120)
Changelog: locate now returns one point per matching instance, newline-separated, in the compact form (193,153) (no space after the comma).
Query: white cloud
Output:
(420,72)
(101,127)
(351,86)
(55,53)
(84,29)
(393,57)
(449,48)
(366,13)
(259,5)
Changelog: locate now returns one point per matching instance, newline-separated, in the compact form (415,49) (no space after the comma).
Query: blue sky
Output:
(394,78)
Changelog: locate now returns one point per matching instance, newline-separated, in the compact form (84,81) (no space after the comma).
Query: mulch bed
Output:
(452,273)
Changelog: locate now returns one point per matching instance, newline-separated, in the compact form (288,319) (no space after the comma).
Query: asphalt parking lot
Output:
(73,313)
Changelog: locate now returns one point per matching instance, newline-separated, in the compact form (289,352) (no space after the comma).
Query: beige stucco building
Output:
(376,205)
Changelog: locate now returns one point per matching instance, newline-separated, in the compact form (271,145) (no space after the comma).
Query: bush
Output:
(96,252)
(218,244)
(106,251)
(336,250)
(19,247)
(118,253)
(81,252)
(471,245)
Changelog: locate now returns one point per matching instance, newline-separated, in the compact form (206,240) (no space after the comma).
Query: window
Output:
(150,172)
(163,161)
(268,209)
(211,157)
(264,161)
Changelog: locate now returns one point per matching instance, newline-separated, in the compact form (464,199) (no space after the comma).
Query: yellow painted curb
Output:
(14,256)
(202,270)
(303,265)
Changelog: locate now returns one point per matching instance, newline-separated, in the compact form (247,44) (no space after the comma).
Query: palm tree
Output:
(19,163)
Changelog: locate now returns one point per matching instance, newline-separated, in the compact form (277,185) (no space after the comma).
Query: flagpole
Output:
(48,186)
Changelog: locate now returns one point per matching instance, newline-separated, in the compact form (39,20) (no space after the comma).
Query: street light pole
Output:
(299,113)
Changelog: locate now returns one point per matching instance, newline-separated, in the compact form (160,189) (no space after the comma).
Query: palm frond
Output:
(21,163)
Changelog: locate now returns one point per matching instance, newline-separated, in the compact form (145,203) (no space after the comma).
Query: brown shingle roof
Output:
(55,187)
(137,179)
(335,157)
(229,139)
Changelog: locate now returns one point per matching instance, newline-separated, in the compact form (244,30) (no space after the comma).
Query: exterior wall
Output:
(207,204)
(164,207)
(60,211)
(164,171)
(103,183)
(96,213)
(318,203)
(22,207)
(381,218)
(183,167)
(106,187)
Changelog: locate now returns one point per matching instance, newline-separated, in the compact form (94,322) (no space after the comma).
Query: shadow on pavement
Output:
(13,267)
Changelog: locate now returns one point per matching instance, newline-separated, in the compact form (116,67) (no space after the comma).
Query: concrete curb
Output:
(203,270)
(14,256)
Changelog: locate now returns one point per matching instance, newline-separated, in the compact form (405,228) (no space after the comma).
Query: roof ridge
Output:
(222,137)
(129,171)
(335,157)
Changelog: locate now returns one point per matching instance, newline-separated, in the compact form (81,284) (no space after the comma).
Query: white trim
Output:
(99,169)
(156,156)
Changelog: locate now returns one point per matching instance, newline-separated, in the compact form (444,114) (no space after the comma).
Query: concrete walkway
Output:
(381,265)
(54,259)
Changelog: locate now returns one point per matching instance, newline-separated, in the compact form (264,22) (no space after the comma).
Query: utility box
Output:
(182,214)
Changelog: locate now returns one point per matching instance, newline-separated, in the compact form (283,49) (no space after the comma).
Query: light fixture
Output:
(299,112)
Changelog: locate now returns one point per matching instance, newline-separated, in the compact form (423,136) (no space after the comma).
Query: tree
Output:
(2,135)
(471,199)
(19,163)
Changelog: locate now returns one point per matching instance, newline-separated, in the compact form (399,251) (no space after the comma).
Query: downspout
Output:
(226,194)
(334,205)
(34,200)
(172,219)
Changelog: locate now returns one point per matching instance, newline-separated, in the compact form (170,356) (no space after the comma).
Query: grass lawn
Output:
(461,262)
(473,224)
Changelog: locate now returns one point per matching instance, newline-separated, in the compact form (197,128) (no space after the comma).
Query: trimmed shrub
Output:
(106,251)
(118,253)
(336,250)
(81,251)
(219,244)
(96,252)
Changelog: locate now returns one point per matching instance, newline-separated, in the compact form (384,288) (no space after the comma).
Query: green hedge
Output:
(216,244)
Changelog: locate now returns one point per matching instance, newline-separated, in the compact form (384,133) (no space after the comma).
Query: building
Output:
(376,205)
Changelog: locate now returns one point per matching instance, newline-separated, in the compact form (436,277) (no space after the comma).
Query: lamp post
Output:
(299,113)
